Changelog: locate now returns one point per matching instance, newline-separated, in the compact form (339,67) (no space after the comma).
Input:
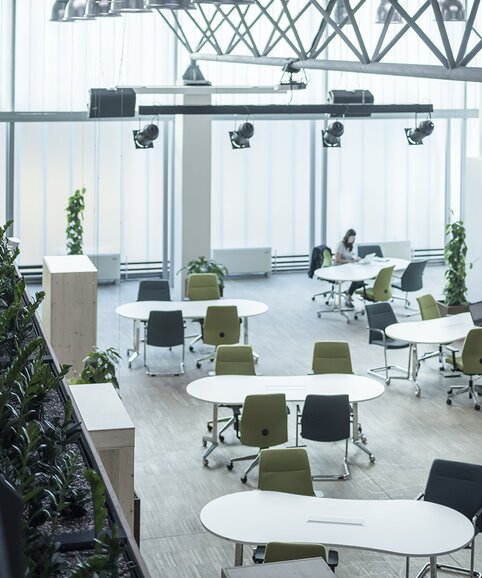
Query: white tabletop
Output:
(434,331)
(358,271)
(405,527)
(233,389)
(190,309)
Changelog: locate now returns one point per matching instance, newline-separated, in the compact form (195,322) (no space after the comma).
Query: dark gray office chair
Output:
(380,316)
(457,485)
(154,290)
(364,250)
(411,280)
(164,329)
(326,418)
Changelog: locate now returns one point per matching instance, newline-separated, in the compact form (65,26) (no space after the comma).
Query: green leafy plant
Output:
(100,367)
(203,265)
(75,216)
(455,290)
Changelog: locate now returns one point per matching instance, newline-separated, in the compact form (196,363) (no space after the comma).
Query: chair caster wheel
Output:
(198,365)
(372,459)
(363,439)
(477,407)
(318,315)
(449,401)
(210,427)
(355,317)
(312,298)
(449,391)
(221,438)
(230,466)
(417,394)
(205,462)
(191,348)
(244,479)
(205,443)
(129,365)
(327,302)
(470,396)
(387,382)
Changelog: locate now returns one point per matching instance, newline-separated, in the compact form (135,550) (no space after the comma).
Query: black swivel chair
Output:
(154,290)
(364,250)
(380,316)
(164,329)
(457,485)
(411,280)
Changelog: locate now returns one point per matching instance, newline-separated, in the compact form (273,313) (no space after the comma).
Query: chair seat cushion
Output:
(367,293)
(391,343)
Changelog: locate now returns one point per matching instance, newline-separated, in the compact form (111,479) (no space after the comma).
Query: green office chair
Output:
(264,423)
(331,357)
(327,261)
(469,363)
(232,360)
(201,287)
(285,470)
(221,327)
(430,310)
(284,551)
(382,287)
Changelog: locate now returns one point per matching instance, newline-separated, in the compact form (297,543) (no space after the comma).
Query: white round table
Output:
(352,272)
(233,389)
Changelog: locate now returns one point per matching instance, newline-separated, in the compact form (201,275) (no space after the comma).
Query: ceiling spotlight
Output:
(75,10)
(240,138)
(193,76)
(58,10)
(340,13)
(332,135)
(383,11)
(92,9)
(452,10)
(128,6)
(143,139)
(415,136)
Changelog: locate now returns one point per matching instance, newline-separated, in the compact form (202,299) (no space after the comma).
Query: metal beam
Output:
(469,25)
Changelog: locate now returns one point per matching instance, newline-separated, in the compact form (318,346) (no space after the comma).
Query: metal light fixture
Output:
(104,9)
(452,10)
(382,13)
(128,6)
(58,10)
(225,2)
(416,135)
(75,10)
(193,76)
(332,135)
(92,9)
(340,12)
(143,139)
(170,4)
(240,138)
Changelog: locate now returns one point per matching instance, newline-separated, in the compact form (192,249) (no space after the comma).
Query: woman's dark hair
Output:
(349,233)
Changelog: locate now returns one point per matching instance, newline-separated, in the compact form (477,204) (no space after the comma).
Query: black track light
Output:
(143,139)
(415,136)
(240,138)
(332,135)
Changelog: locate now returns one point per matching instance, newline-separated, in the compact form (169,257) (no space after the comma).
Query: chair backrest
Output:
(221,325)
(457,485)
(202,286)
(284,551)
(264,421)
(331,357)
(364,250)
(472,352)
(327,258)
(165,328)
(285,470)
(326,418)
(234,360)
(412,278)
(379,316)
(154,290)
(428,307)
(382,288)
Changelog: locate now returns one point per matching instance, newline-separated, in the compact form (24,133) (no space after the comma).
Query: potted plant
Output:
(100,367)
(203,265)
(455,290)
(75,215)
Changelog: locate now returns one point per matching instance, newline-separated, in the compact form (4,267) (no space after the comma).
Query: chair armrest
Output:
(476,516)
(420,496)
(380,331)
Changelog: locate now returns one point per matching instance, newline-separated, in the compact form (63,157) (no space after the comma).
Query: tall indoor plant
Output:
(203,265)
(455,291)
(75,216)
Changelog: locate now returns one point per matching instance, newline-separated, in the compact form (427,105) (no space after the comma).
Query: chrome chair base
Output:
(156,374)
(375,371)
(451,569)
(252,465)
(334,477)
(460,389)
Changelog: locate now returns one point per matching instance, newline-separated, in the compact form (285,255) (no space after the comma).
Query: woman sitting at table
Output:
(344,254)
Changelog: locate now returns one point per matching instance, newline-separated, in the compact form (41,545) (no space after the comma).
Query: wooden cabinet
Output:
(69,311)
(113,434)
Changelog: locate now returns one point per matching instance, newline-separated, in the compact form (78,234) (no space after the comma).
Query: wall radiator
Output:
(244,261)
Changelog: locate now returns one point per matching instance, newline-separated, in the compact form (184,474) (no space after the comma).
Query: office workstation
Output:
(310,171)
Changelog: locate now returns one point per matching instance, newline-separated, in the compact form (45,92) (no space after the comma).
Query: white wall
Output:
(473,214)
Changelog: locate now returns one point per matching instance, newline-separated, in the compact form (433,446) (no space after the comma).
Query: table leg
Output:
(213,438)
(238,554)
(433,567)
(337,306)
(136,343)
(246,338)
(414,363)
(356,437)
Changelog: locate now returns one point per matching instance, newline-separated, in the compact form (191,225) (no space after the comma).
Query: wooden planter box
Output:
(446,310)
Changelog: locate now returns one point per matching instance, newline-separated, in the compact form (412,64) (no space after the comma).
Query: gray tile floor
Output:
(405,432)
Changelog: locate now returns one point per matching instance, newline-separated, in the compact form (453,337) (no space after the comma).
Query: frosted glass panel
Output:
(123,189)
(260,196)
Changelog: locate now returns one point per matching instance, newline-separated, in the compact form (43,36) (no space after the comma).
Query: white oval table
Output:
(352,272)
(441,331)
(233,389)
(139,312)
(403,527)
